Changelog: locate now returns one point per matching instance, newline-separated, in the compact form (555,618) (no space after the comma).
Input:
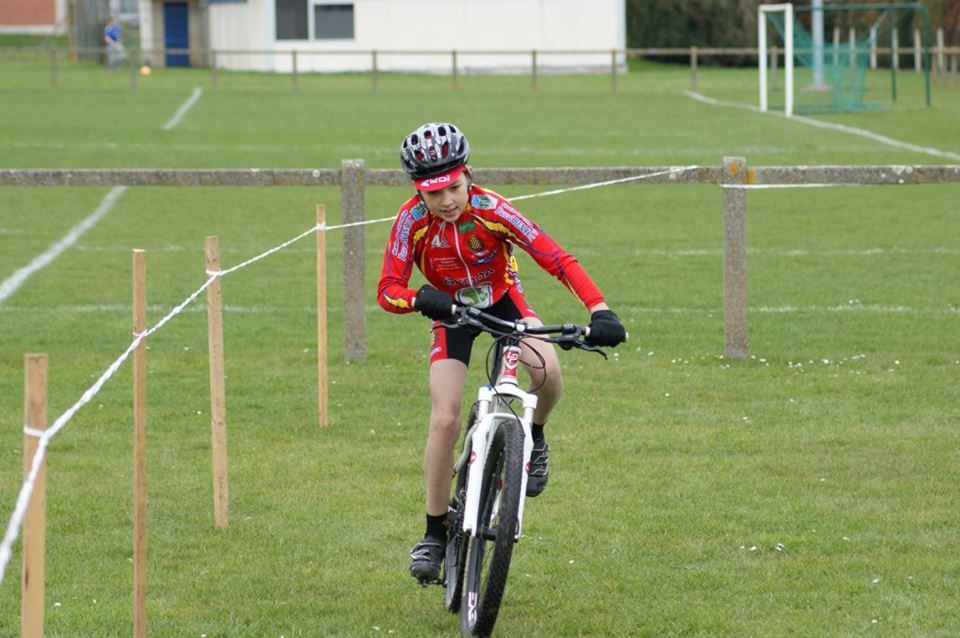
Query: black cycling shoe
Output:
(425,560)
(539,473)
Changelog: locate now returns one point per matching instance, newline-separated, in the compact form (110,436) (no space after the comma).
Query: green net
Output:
(844,76)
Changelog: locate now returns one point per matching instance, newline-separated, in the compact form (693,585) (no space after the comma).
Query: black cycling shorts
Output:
(456,343)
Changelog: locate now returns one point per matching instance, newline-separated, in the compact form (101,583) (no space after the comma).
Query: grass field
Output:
(809,490)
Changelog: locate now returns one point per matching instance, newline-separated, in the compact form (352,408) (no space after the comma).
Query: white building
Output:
(408,35)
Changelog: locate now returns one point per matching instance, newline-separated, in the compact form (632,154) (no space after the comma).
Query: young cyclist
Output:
(461,238)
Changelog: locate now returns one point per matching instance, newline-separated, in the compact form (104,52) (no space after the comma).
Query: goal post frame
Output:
(762,12)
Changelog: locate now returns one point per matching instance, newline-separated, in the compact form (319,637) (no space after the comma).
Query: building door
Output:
(176,30)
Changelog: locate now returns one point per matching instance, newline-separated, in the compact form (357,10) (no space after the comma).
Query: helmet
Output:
(433,149)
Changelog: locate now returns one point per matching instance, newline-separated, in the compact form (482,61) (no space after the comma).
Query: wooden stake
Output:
(324,411)
(218,399)
(140,446)
(34,522)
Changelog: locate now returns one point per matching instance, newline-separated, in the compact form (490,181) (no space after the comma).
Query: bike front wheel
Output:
(489,550)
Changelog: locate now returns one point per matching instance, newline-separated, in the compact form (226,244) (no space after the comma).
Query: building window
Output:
(291,19)
(314,20)
(332,21)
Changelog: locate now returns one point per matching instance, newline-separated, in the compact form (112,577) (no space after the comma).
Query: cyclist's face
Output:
(448,203)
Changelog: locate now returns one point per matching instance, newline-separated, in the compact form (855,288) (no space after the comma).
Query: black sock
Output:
(537,431)
(437,527)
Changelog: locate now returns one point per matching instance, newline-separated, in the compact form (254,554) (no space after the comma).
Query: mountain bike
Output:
(490,474)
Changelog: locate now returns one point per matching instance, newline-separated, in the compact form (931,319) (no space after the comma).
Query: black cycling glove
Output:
(606,329)
(433,303)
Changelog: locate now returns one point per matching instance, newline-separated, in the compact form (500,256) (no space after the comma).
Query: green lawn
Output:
(808,490)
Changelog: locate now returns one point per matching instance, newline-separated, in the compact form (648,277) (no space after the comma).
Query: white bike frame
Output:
(493,409)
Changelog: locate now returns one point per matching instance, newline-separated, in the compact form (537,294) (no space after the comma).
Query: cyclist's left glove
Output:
(433,303)
(605,329)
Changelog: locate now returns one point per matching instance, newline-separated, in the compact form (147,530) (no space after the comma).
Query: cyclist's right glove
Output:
(433,303)
(605,329)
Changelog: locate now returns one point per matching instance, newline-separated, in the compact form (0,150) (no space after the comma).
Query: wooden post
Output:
(613,70)
(352,185)
(35,520)
(140,446)
(214,78)
(534,80)
(455,77)
(218,399)
(694,62)
(894,63)
(134,69)
(294,78)
(53,67)
(374,71)
(941,69)
(852,49)
(735,258)
(322,356)
(917,51)
(836,46)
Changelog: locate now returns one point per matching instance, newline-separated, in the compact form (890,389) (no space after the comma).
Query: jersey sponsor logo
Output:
(466,226)
(462,282)
(479,296)
(484,201)
(513,217)
(402,239)
(419,211)
(439,241)
(440,264)
(482,260)
(475,244)
(433,181)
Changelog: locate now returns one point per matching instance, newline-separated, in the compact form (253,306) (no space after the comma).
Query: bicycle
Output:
(490,475)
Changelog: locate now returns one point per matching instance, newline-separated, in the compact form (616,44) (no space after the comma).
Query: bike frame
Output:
(494,408)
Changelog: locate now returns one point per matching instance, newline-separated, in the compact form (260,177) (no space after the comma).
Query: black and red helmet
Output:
(433,150)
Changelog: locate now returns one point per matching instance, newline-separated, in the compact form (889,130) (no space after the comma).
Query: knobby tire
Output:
(488,553)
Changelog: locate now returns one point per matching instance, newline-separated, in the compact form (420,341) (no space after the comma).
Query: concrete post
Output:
(352,184)
(735,258)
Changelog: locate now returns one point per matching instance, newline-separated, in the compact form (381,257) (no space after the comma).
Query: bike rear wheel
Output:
(489,551)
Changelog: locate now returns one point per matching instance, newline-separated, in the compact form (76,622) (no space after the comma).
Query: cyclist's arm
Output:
(393,292)
(547,253)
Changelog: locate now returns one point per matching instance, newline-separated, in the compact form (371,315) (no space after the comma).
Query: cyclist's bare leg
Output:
(447,378)
(545,375)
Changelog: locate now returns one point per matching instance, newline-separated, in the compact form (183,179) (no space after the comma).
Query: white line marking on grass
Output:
(883,139)
(186,106)
(14,281)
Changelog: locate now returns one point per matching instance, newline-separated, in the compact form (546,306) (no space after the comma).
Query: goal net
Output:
(819,77)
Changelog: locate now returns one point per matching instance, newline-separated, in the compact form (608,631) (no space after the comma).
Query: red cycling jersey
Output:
(472,258)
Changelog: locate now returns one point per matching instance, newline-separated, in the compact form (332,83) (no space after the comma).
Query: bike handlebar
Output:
(567,335)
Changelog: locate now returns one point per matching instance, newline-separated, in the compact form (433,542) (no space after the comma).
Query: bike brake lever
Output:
(596,349)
